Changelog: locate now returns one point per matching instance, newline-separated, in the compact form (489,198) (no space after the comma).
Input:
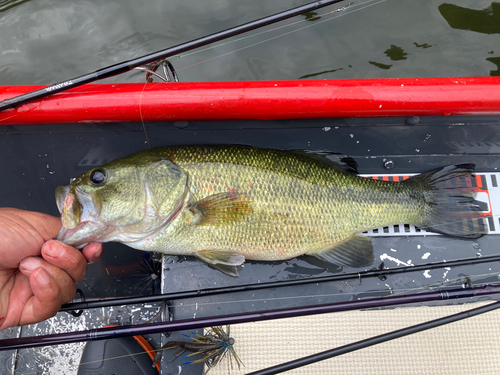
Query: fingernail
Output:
(41,276)
(53,249)
(29,264)
(98,252)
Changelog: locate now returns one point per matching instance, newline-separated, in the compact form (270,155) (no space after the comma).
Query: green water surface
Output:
(48,41)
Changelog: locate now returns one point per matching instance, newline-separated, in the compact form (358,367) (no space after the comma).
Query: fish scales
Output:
(225,204)
(299,205)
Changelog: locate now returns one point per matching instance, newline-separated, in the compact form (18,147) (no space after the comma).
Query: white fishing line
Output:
(347,10)
(399,291)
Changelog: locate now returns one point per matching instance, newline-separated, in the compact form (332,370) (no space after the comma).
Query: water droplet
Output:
(414,120)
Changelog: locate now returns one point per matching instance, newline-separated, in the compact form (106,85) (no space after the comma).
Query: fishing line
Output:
(270,30)
(346,12)
(245,317)
(399,291)
(284,283)
(142,119)
(347,311)
(444,291)
(267,31)
(376,340)
(497,273)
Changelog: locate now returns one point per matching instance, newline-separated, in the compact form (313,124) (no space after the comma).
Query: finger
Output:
(66,258)
(46,299)
(23,233)
(66,285)
(92,252)
(19,294)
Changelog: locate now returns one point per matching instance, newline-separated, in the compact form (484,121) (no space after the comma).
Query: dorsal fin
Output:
(338,161)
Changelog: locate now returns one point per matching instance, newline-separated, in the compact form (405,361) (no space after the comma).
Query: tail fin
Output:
(449,209)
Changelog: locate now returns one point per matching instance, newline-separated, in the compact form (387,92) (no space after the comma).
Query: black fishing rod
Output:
(246,317)
(375,340)
(160,55)
(274,284)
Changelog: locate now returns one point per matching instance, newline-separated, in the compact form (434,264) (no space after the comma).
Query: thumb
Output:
(47,226)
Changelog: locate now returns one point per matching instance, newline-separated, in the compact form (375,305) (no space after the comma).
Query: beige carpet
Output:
(470,346)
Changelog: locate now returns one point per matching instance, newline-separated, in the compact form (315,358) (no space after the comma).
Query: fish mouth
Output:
(86,232)
(61,193)
(78,216)
(69,206)
(67,236)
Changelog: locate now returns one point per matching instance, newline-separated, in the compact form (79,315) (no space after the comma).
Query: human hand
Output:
(37,274)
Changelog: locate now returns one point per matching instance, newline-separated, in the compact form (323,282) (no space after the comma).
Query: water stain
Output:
(380,65)
(485,21)
(396,53)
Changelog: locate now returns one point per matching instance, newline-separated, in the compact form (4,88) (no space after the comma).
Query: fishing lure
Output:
(213,347)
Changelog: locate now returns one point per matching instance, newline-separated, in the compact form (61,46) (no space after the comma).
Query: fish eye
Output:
(98,177)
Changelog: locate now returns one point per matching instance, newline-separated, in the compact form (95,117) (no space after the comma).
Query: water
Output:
(48,41)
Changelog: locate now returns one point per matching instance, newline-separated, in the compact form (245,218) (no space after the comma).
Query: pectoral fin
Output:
(224,261)
(357,251)
(221,208)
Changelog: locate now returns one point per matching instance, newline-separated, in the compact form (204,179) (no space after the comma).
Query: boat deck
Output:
(37,158)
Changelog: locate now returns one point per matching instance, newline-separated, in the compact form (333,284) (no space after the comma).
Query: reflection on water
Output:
(423,45)
(380,65)
(49,41)
(486,21)
(496,61)
(396,53)
(310,16)
(320,73)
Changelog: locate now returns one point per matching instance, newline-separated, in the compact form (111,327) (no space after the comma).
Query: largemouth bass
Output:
(225,204)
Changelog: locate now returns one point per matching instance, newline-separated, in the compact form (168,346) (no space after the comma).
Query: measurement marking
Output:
(485,185)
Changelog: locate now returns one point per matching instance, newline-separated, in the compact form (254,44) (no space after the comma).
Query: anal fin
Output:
(224,261)
(357,251)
